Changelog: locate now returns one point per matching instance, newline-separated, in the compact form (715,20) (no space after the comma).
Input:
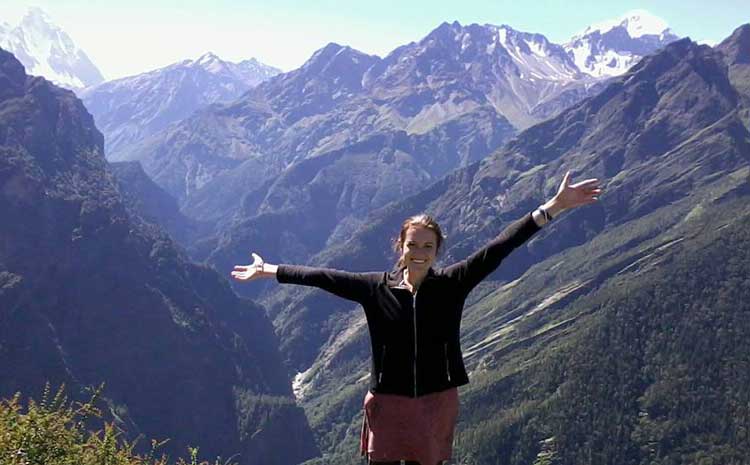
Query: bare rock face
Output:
(90,294)
(736,50)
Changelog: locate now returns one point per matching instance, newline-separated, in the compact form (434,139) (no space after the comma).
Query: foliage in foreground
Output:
(55,431)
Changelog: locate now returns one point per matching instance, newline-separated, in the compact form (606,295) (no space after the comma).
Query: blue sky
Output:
(125,38)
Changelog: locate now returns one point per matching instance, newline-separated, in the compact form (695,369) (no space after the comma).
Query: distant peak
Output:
(446,24)
(207,57)
(35,13)
(333,49)
(210,62)
(323,54)
(637,22)
(445,29)
(333,46)
(641,22)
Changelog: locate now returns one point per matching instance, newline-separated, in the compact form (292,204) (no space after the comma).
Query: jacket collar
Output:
(395,278)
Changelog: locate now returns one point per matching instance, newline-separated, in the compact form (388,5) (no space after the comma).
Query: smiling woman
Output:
(419,241)
(413,315)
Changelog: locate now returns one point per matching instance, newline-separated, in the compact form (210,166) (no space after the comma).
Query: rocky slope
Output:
(152,204)
(89,294)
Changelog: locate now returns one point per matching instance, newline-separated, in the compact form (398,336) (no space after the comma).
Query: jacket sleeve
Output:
(352,286)
(480,264)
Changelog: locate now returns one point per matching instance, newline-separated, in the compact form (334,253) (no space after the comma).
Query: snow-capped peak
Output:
(46,50)
(640,23)
(211,63)
(637,22)
(535,56)
(36,14)
(610,48)
(207,58)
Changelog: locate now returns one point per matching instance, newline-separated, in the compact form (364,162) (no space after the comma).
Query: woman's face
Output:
(420,248)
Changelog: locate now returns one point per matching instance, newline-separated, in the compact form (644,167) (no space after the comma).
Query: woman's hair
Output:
(423,220)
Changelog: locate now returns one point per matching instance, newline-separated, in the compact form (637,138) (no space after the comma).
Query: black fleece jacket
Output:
(415,339)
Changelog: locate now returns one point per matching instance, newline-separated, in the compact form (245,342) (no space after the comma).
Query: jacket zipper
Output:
(447,363)
(382,366)
(415,342)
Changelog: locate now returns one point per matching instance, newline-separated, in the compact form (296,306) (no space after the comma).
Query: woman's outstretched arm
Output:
(351,286)
(481,263)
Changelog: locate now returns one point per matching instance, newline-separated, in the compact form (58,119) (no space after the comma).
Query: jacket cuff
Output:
(530,225)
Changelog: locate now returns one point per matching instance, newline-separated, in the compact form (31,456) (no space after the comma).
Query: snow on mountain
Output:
(637,22)
(46,50)
(477,65)
(611,47)
(251,71)
(210,63)
(258,70)
(536,57)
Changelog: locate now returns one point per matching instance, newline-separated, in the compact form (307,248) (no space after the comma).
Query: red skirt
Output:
(407,428)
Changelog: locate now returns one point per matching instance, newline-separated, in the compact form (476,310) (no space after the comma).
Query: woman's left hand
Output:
(575,195)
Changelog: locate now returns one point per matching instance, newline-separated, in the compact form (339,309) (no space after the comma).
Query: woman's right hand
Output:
(257,269)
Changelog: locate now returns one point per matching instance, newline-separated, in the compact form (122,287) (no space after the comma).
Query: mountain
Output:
(302,114)
(610,48)
(364,131)
(456,67)
(46,50)
(151,203)
(90,293)
(736,50)
(252,71)
(577,350)
(454,71)
(130,109)
(302,158)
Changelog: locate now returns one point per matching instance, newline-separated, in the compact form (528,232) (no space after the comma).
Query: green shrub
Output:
(53,432)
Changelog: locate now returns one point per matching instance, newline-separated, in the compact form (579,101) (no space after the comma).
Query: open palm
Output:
(580,193)
(248,272)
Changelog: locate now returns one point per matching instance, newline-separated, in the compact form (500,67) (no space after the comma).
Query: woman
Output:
(413,315)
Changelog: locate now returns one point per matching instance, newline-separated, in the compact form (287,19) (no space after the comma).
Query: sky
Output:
(128,38)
